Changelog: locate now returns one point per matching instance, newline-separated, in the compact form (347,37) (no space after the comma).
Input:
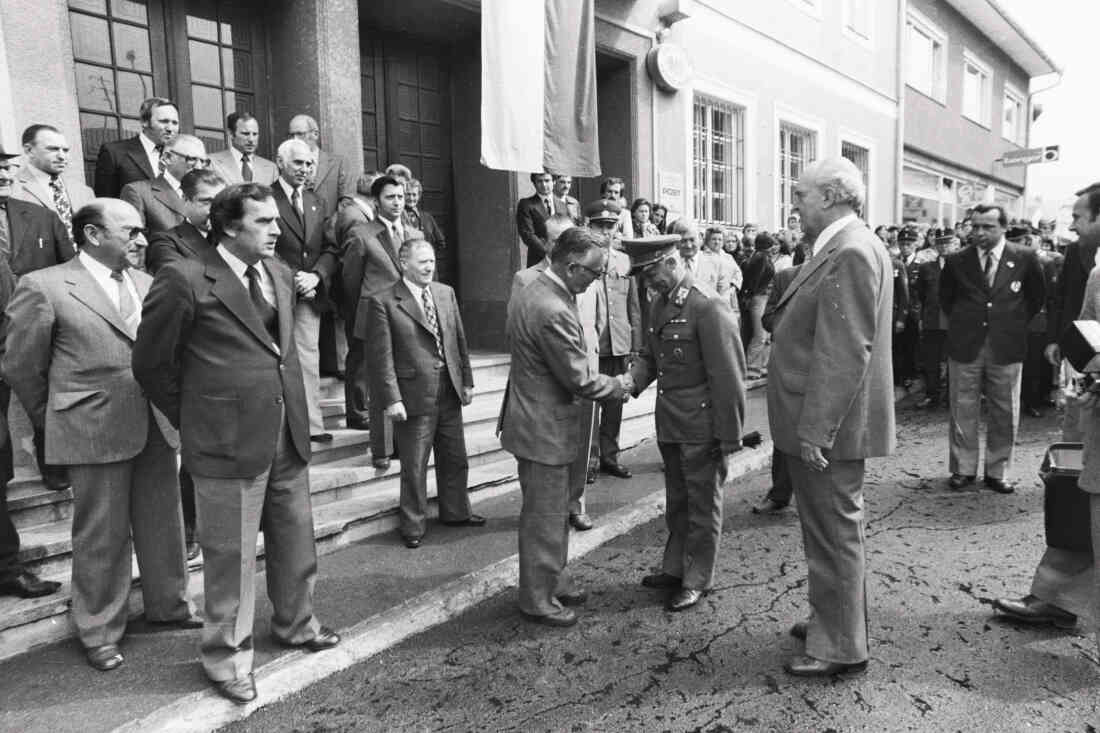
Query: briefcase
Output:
(1066,513)
(1080,342)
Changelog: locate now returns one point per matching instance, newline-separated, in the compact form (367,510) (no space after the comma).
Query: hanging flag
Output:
(538,100)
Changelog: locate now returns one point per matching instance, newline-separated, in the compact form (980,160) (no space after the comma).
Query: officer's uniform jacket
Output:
(621,333)
(693,351)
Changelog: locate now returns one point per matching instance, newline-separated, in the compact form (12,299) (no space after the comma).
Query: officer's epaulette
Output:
(705,289)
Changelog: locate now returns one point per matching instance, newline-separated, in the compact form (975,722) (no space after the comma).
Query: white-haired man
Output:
(831,405)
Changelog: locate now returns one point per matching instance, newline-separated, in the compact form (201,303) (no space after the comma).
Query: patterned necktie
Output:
(246,169)
(429,316)
(264,309)
(158,166)
(5,231)
(125,301)
(988,270)
(690,262)
(61,204)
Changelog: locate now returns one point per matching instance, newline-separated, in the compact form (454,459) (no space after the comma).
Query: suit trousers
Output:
(1038,373)
(307,338)
(611,412)
(693,511)
(543,536)
(781,489)
(905,351)
(1094,510)
(1000,383)
(9,536)
(355,379)
(417,436)
(830,509)
(113,502)
(231,512)
(578,469)
(932,355)
(756,358)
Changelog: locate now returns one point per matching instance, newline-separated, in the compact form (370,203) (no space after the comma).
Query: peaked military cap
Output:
(645,251)
(1017,232)
(908,234)
(602,210)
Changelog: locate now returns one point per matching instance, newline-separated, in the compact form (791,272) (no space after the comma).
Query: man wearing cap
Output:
(905,327)
(693,351)
(620,336)
(933,321)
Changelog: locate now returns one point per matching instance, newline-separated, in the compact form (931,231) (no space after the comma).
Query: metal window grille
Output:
(797,149)
(718,162)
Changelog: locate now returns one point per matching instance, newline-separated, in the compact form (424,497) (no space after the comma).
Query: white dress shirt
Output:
(151,153)
(102,275)
(829,232)
(997,252)
(289,191)
(238,267)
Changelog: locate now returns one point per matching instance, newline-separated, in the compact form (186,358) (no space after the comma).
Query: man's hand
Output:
(1053,354)
(627,383)
(467,395)
(812,456)
(306,282)
(396,412)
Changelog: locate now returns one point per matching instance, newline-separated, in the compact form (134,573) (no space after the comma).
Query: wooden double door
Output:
(406,105)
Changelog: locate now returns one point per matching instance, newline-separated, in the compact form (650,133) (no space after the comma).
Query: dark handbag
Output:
(1066,513)
(1080,342)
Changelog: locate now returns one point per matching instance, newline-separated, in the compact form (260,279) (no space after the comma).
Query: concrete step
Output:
(487,390)
(351,503)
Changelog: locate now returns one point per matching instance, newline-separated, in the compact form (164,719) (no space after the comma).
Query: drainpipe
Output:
(903,9)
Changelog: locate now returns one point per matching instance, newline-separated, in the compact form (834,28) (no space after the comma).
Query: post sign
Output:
(671,192)
(1030,156)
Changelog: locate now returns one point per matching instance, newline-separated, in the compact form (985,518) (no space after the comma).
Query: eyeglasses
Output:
(593,273)
(192,160)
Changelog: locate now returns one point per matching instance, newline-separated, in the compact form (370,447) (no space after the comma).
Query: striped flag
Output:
(538,86)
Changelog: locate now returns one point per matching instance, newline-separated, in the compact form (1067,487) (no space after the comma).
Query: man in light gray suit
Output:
(240,164)
(330,181)
(831,405)
(40,181)
(71,332)
(159,202)
(550,369)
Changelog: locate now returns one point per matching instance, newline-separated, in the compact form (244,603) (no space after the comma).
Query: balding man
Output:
(301,245)
(69,341)
(331,181)
(831,405)
(159,202)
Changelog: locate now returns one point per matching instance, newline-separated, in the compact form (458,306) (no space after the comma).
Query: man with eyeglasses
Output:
(159,202)
(693,351)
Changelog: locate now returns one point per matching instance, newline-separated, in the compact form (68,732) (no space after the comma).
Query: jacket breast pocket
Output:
(677,342)
(61,401)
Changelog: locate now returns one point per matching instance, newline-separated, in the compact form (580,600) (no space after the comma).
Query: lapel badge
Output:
(1009,263)
(678,353)
(681,295)
(1015,286)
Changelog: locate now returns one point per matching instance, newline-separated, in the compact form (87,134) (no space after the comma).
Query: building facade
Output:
(968,70)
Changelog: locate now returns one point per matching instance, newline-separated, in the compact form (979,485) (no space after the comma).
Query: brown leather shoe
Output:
(684,599)
(1032,610)
(561,618)
(25,584)
(807,666)
(241,690)
(662,580)
(105,657)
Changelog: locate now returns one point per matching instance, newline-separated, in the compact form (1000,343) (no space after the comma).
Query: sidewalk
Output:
(376,592)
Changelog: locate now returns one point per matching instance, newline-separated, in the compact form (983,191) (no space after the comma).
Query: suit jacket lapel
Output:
(17,225)
(192,238)
(811,266)
(137,154)
(164,193)
(390,245)
(1006,268)
(84,288)
(233,295)
(287,213)
(36,188)
(284,302)
(406,301)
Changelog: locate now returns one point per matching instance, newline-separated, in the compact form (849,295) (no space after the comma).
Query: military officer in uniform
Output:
(693,351)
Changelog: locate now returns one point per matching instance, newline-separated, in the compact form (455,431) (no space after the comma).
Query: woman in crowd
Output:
(658,216)
(639,214)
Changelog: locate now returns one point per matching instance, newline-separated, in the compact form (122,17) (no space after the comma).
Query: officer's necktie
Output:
(126,305)
(429,316)
(61,204)
(267,313)
(988,270)
(246,168)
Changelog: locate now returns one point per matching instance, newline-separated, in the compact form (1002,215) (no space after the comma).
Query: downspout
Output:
(903,9)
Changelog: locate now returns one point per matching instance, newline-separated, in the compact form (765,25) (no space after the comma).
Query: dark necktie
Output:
(429,316)
(267,313)
(158,167)
(549,208)
(246,169)
(125,301)
(61,204)
(988,269)
(296,203)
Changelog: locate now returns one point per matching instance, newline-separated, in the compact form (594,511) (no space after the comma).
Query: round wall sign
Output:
(669,66)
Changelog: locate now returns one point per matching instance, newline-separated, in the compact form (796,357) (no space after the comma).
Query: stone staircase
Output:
(351,500)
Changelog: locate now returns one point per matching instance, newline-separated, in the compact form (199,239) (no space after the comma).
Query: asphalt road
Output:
(940,660)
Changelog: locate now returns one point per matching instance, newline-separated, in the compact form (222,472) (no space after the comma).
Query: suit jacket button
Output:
(278,400)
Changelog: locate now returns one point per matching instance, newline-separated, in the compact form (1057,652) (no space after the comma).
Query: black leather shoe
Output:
(807,666)
(769,506)
(411,542)
(574,598)
(661,580)
(105,657)
(561,618)
(326,638)
(798,630)
(474,520)
(1031,610)
(358,425)
(615,469)
(56,478)
(382,464)
(591,477)
(926,403)
(321,438)
(999,485)
(684,599)
(25,584)
(958,480)
(580,521)
(189,623)
(241,690)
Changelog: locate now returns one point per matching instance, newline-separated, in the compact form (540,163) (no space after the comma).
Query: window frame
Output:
(918,22)
(985,111)
(1013,93)
(853,34)
(739,167)
(851,137)
(789,117)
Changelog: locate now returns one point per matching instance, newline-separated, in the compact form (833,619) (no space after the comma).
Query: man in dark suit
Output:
(1064,583)
(907,326)
(989,291)
(831,406)
(370,266)
(32,237)
(159,201)
(532,213)
(302,247)
(69,339)
(933,321)
(422,377)
(215,352)
(137,158)
(549,370)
